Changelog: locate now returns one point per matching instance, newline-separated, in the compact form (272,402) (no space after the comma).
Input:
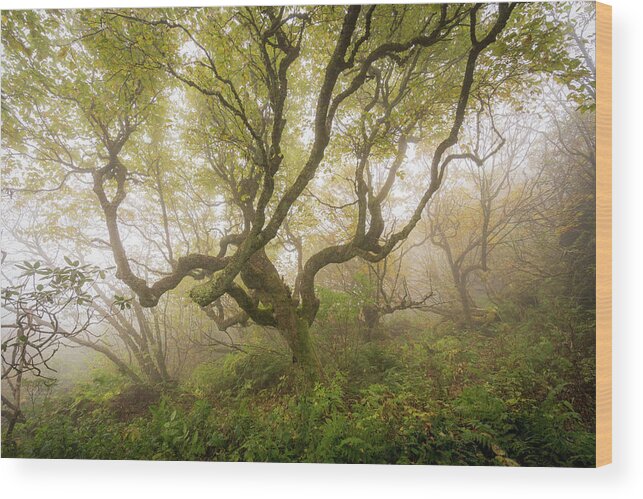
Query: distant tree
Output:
(488,199)
(390,291)
(143,344)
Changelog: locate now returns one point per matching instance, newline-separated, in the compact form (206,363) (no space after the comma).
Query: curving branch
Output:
(367,247)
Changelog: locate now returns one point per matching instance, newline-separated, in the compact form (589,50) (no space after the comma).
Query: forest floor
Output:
(513,393)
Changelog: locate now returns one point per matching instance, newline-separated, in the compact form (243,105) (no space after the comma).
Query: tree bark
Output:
(465,301)
(370,318)
(303,351)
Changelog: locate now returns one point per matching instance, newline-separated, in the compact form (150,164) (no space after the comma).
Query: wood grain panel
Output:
(603,234)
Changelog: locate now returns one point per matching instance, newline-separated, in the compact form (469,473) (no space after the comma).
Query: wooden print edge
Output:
(603,234)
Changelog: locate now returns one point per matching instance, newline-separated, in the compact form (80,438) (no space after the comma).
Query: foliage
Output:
(507,397)
(46,305)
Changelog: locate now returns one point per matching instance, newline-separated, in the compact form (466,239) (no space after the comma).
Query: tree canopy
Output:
(230,117)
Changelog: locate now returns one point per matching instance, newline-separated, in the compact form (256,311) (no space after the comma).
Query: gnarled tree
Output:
(250,108)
